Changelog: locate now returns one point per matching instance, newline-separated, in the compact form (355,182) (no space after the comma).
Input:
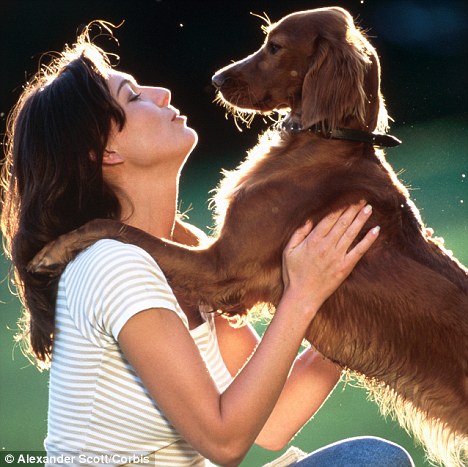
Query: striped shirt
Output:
(97,403)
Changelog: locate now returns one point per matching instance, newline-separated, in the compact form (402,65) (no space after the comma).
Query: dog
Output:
(399,322)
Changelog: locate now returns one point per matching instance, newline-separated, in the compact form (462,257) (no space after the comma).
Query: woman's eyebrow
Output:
(122,84)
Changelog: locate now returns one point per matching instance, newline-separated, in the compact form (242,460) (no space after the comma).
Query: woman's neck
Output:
(151,204)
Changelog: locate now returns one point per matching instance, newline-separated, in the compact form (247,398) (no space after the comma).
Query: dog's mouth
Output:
(264,104)
(243,104)
(243,96)
(268,104)
(248,102)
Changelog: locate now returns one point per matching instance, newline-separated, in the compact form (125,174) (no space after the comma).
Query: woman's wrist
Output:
(300,302)
(297,305)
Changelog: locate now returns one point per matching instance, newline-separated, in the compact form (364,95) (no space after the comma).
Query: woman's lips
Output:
(177,116)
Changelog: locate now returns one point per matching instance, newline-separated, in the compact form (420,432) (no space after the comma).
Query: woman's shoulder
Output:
(110,281)
(108,261)
(110,251)
(107,246)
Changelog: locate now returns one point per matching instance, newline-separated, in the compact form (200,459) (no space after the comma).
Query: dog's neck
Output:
(292,125)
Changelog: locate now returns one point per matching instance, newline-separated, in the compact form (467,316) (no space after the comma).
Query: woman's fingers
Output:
(316,261)
(323,228)
(349,225)
(337,222)
(299,235)
(339,229)
(356,253)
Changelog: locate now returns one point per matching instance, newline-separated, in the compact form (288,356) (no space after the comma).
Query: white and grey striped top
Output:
(97,404)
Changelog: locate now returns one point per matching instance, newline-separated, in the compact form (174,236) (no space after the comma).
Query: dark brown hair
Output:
(52,179)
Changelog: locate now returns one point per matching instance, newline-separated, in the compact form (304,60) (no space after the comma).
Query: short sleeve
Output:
(109,283)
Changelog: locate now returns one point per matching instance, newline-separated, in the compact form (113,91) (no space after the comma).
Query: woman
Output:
(133,371)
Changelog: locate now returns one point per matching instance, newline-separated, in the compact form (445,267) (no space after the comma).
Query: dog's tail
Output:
(442,445)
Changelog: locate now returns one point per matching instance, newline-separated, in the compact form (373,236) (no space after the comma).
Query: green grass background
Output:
(432,161)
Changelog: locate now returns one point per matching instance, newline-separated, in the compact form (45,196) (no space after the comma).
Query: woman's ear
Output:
(111,158)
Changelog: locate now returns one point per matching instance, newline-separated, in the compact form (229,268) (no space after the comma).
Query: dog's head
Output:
(317,64)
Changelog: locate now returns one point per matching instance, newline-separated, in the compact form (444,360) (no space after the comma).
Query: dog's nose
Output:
(218,80)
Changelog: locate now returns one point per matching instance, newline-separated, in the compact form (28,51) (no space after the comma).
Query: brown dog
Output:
(400,319)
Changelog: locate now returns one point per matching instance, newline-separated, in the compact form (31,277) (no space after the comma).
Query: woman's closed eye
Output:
(134,96)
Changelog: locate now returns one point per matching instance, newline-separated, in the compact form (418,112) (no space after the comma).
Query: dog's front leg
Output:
(190,270)
(53,258)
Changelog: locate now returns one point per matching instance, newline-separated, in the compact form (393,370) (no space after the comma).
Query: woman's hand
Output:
(317,260)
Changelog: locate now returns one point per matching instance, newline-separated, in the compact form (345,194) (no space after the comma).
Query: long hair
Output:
(52,180)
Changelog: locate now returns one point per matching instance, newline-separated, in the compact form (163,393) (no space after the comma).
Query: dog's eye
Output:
(273,48)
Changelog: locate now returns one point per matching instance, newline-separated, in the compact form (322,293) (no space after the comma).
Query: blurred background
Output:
(180,44)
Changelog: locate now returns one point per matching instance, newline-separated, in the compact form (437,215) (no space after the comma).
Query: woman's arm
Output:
(310,382)
(222,427)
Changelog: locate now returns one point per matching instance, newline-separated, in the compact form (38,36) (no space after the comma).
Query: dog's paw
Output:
(46,263)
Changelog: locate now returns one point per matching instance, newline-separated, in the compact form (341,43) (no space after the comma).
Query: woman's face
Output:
(154,132)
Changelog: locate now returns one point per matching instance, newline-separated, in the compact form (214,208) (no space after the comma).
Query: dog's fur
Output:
(399,320)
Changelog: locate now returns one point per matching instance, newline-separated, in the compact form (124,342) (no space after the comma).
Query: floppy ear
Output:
(376,117)
(333,90)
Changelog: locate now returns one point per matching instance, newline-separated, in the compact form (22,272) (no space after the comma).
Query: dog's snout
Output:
(218,80)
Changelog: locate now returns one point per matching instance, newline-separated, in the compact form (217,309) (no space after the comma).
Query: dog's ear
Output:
(376,112)
(333,91)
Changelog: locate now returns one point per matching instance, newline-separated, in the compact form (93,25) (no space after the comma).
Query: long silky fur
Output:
(442,445)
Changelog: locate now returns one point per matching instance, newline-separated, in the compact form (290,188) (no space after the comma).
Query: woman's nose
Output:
(161,96)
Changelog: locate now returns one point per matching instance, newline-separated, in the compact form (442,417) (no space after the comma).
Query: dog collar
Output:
(387,141)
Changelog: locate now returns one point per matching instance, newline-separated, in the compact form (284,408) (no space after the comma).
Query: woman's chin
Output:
(192,139)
